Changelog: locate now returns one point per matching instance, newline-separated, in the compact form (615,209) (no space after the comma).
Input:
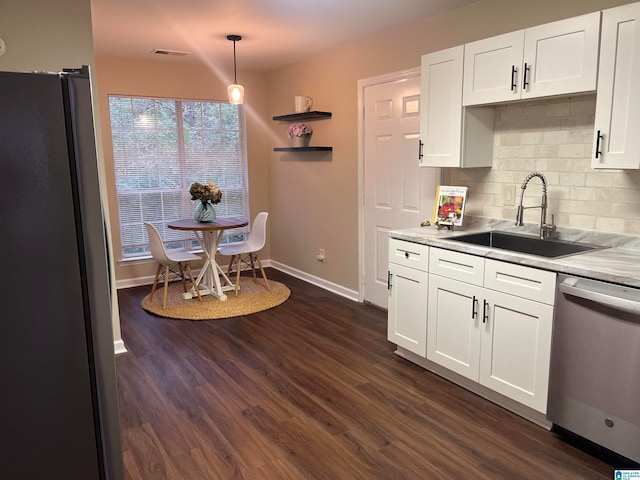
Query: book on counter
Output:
(449,205)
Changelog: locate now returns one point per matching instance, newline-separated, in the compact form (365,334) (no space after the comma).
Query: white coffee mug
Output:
(303,104)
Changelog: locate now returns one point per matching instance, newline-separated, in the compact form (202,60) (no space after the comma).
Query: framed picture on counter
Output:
(449,205)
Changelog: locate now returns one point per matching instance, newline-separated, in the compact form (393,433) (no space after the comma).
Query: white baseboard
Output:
(312,279)
(135,282)
(318,282)
(118,347)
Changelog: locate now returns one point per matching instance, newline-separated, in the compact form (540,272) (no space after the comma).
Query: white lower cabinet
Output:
(408,308)
(408,280)
(453,326)
(515,348)
(498,339)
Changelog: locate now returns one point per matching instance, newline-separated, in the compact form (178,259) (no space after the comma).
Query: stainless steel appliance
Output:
(58,408)
(594,382)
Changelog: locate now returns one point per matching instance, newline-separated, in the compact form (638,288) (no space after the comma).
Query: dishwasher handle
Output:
(570,287)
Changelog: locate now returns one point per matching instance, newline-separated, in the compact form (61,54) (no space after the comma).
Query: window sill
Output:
(144,259)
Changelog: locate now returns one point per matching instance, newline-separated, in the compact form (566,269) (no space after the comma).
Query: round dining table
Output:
(209,235)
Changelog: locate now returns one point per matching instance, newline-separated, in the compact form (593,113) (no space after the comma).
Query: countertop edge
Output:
(617,262)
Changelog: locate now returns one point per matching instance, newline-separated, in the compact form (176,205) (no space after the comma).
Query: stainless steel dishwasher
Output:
(594,381)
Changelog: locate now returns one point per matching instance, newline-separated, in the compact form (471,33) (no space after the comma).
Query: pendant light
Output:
(235,91)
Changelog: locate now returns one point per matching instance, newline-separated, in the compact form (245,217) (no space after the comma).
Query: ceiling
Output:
(275,33)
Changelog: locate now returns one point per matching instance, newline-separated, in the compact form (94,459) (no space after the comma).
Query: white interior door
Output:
(397,192)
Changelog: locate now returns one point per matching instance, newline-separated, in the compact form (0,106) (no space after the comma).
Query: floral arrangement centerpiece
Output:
(209,194)
(300,133)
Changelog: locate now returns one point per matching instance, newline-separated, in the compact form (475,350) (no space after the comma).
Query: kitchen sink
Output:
(525,244)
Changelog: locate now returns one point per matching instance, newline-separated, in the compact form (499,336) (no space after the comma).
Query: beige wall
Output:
(171,79)
(45,35)
(314,200)
(49,36)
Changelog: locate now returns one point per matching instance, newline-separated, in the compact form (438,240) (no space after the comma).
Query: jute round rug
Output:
(252,297)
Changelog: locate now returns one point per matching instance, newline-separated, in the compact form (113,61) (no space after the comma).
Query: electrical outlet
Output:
(320,256)
(509,195)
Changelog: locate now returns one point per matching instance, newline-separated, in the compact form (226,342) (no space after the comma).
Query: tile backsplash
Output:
(553,137)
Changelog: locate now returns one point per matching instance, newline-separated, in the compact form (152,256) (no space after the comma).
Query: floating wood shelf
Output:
(315,115)
(302,149)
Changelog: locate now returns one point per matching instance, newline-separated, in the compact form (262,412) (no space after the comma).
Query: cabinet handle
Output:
(525,83)
(389,275)
(598,138)
(406,255)
(474,305)
(513,77)
(420,145)
(485,315)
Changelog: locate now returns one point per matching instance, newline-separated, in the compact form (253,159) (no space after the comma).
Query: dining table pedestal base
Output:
(209,235)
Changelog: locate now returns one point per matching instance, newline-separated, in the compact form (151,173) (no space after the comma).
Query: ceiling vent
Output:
(177,53)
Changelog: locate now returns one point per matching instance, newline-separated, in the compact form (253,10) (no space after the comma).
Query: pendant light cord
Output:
(234,39)
(235,76)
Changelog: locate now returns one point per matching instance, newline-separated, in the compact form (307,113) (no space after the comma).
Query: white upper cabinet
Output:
(492,68)
(556,58)
(616,140)
(450,135)
(441,108)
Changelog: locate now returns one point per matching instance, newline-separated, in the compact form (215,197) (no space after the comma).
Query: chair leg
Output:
(238,268)
(266,282)
(184,282)
(193,282)
(155,282)
(166,287)
(253,267)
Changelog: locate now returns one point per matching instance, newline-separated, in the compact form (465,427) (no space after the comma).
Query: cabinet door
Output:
(441,108)
(561,57)
(492,69)
(407,314)
(552,59)
(515,348)
(616,142)
(453,325)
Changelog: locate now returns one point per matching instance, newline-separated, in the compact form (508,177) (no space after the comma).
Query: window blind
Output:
(162,146)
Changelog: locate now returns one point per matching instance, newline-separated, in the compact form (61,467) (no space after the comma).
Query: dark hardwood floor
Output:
(312,390)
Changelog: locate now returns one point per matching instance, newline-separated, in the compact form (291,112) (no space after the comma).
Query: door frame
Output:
(362,85)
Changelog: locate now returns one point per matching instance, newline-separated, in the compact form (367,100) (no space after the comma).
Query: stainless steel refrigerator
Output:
(58,404)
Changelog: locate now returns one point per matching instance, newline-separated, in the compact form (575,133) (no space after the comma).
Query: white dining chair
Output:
(166,260)
(245,253)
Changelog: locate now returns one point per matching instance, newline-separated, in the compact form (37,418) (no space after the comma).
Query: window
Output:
(162,146)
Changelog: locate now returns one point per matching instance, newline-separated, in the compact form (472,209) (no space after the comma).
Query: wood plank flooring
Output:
(312,390)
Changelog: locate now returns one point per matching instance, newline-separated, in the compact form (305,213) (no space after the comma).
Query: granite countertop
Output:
(617,262)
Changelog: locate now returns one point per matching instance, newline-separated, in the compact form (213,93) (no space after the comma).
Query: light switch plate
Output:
(508,195)
(3,47)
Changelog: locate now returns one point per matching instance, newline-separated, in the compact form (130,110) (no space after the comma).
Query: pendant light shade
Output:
(236,94)
(235,91)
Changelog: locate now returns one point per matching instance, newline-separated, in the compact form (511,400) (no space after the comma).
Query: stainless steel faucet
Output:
(545,228)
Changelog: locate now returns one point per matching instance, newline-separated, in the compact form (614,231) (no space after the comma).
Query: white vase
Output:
(301,141)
